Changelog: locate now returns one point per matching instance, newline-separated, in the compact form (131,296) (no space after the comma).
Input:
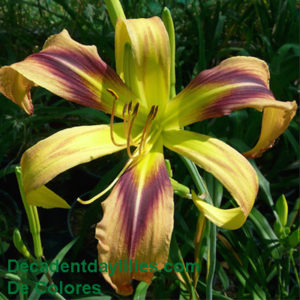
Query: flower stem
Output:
(294,266)
(211,257)
(115,10)
(197,242)
(32,216)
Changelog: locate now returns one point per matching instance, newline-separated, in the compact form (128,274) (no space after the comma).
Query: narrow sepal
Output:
(17,88)
(216,157)
(44,197)
(66,149)
(274,122)
(232,218)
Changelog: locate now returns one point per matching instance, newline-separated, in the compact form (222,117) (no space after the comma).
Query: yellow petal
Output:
(148,74)
(46,198)
(66,149)
(137,223)
(275,121)
(230,219)
(216,157)
(66,68)
(17,88)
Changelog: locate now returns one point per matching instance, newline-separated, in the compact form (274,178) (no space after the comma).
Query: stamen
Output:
(124,118)
(135,111)
(115,95)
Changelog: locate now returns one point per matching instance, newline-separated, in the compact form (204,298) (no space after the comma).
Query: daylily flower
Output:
(138,214)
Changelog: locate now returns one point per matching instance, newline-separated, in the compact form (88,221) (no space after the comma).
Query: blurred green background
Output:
(206,33)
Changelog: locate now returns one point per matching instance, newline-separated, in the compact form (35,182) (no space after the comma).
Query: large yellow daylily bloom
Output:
(138,214)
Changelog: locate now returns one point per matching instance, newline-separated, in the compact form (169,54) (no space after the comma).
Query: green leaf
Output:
(3,247)
(3,297)
(282,209)
(141,291)
(277,228)
(263,183)
(223,277)
(293,214)
(264,229)
(35,295)
(294,238)
(95,298)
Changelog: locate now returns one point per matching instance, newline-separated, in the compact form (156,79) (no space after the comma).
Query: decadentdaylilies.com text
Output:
(125,266)
(122,266)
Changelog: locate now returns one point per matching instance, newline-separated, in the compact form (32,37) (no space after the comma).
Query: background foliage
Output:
(258,261)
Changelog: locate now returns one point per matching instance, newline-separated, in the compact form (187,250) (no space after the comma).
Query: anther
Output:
(154,113)
(129,108)
(124,110)
(136,109)
(113,93)
(124,118)
(134,114)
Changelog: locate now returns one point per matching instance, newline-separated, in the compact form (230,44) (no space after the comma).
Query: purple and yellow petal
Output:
(66,149)
(236,83)
(219,159)
(137,223)
(68,69)
(143,59)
